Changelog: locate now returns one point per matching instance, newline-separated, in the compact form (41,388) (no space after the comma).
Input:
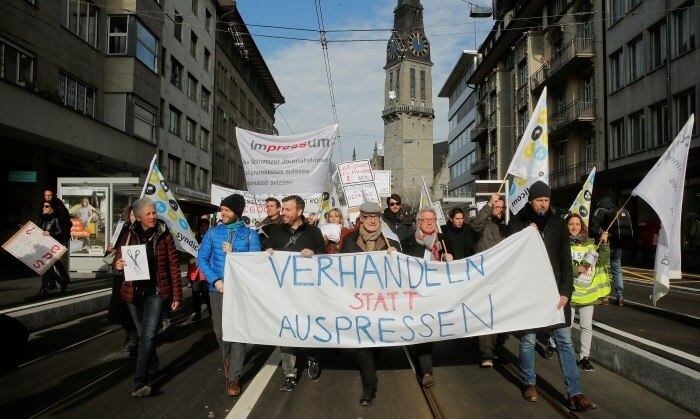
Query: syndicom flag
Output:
(662,188)
(168,210)
(582,203)
(531,160)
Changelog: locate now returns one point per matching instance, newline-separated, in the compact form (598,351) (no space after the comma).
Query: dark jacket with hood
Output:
(401,224)
(460,242)
(598,224)
(282,237)
(492,232)
(556,240)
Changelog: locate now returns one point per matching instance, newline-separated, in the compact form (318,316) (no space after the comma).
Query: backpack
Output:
(623,226)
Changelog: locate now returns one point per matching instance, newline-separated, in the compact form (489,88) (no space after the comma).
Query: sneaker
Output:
(580,403)
(289,383)
(486,363)
(143,391)
(166,324)
(368,395)
(620,301)
(427,380)
(585,364)
(314,369)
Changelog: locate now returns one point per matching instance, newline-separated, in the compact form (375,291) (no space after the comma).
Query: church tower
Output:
(408,106)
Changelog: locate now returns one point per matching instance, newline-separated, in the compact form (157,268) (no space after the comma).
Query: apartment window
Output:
(189,174)
(191,87)
(76,95)
(422,85)
(412,74)
(207,20)
(191,134)
(204,180)
(657,45)
(206,99)
(177,26)
(207,59)
(589,151)
(193,45)
(636,125)
(144,122)
(684,105)
(81,18)
(195,6)
(684,23)
(635,51)
(174,124)
(146,46)
(522,74)
(204,139)
(617,136)
(173,169)
(161,113)
(117,37)
(16,66)
(617,9)
(163,56)
(658,134)
(617,76)
(176,70)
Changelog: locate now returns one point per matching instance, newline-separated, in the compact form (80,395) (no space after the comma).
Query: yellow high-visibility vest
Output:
(592,285)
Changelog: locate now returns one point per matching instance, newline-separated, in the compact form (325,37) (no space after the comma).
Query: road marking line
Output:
(636,274)
(56,300)
(647,342)
(684,290)
(689,275)
(252,393)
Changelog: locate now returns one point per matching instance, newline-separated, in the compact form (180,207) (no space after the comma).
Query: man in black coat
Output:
(368,238)
(460,238)
(397,220)
(538,214)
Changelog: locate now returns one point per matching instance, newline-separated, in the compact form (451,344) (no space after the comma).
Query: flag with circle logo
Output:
(531,160)
(582,203)
(168,210)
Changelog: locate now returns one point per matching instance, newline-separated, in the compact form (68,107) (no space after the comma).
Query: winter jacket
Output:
(412,248)
(350,243)
(490,231)
(333,247)
(168,278)
(61,213)
(264,228)
(556,241)
(282,237)
(211,257)
(52,223)
(460,242)
(400,224)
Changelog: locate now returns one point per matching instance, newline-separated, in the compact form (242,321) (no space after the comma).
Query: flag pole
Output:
(503,182)
(148,175)
(430,202)
(613,220)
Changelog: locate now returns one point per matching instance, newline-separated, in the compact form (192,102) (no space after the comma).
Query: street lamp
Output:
(478,11)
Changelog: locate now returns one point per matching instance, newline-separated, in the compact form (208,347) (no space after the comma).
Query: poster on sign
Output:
(357,194)
(382,180)
(351,172)
(32,248)
(276,164)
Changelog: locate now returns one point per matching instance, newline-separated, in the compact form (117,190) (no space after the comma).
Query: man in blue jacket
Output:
(232,235)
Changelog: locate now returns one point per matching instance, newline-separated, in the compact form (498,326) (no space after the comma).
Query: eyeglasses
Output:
(498,207)
(47,206)
(428,220)
(394,204)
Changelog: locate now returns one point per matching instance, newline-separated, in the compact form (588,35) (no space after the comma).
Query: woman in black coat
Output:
(52,226)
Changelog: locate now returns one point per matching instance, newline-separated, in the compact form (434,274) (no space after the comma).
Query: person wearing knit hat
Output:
(538,214)
(232,235)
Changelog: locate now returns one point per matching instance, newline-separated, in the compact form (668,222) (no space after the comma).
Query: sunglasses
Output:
(47,206)
(394,204)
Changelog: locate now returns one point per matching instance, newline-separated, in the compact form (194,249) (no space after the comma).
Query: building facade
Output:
(461,117)
(408,112)
(245,96)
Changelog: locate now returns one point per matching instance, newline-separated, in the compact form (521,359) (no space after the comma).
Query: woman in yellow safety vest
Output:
(591,280)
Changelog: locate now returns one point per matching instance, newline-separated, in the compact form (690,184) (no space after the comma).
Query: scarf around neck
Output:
(369,240)
(430,242)
(234,225)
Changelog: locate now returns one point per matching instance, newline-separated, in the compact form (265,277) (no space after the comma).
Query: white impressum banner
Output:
(376,299)
(278,164)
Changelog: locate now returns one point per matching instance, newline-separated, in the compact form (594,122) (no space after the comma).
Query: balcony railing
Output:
(479,130)
(420,110)
(479,165)
(577,47)
(571,174)
(576,111)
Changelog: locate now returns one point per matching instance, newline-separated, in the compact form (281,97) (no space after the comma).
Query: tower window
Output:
(422,84)
(413,83)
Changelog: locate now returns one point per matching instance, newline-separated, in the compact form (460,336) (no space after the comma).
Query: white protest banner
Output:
(582,203)
(426,201)
(376,299)
(530,162)
(359,193)
(358,171)
(279,164)
(135,263)
(32,248)
(662,188)
(117,232)
(382,180)
(168,210)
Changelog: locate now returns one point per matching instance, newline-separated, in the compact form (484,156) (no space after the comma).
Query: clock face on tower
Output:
(418,44)
(393,48)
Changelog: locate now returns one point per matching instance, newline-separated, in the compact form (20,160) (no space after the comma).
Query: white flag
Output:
(582,203)
(531,160)
(426,201)
(168,210)
(662,189)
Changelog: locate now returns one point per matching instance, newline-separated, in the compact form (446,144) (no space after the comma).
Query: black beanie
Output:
(539,189)
(235,203)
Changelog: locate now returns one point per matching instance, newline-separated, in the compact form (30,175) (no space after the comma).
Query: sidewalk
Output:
(18,292)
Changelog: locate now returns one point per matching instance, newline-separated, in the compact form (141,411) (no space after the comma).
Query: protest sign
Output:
(276,164)
(382,180)
(359,193)
(135,263)
(358,171)
(32,248)
(331,232)
(377,299)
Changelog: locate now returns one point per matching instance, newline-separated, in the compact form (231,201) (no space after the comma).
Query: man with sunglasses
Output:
(397,220)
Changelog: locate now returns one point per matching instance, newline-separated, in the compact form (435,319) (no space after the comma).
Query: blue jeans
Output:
(615,267)
(566,355)
(146,313)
